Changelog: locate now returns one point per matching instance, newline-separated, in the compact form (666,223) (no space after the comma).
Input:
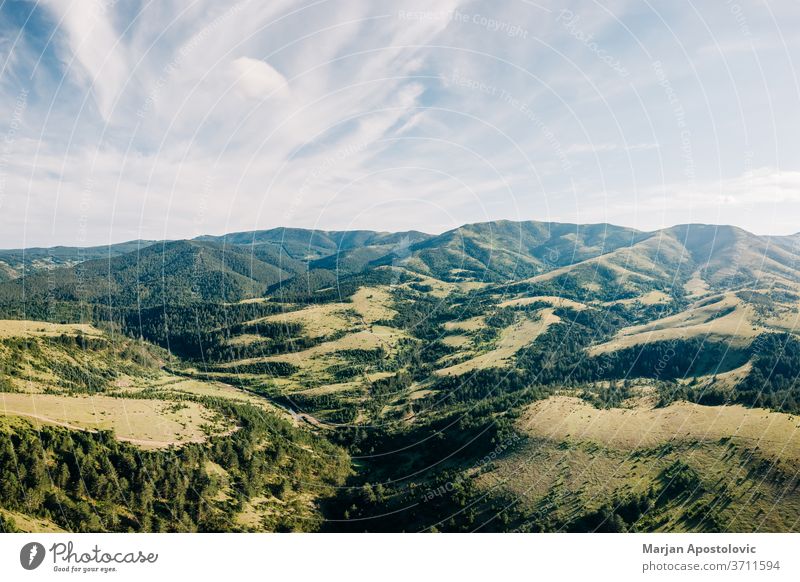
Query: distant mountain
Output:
(592,260)
(722,257)
(307,245)
(727,255)
(176,272)
(506,250)
(409,348)
(15,262)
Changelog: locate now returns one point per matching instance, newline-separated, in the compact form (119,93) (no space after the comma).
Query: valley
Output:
(498,377)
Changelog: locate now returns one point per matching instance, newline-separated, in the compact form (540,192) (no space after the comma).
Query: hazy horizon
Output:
(402,230)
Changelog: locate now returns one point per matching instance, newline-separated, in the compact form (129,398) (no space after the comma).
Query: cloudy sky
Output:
(168,119)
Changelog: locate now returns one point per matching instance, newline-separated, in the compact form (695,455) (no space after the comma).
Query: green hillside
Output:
(500,376)
(180,271)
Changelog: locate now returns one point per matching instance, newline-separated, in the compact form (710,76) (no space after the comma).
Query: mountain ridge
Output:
(212,237)
(590,259)
(406,349)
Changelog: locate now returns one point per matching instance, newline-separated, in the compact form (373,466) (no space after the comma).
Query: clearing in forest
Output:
(512,339)
(148,423)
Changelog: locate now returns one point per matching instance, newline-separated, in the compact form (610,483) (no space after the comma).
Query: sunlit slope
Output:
(729,256)
(506,250)
(106,438)
(684,467)
(594,261)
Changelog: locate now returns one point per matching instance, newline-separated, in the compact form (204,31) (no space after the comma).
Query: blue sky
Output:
(165,119)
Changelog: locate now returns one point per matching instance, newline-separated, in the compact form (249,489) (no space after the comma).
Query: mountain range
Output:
(243,265)
(500,376)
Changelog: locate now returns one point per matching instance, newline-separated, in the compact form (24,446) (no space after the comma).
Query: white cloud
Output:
(216,116)
(764,200)
(766,185)
(257,79)
(585,148)
(96,53)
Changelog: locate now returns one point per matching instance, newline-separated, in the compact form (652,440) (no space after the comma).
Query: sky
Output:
(172,119)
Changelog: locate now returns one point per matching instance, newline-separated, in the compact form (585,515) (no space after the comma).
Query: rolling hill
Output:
(505,250)
(410,359)
(572,256)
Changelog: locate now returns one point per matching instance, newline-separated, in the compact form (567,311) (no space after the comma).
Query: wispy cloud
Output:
(170,119)
(589,148)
